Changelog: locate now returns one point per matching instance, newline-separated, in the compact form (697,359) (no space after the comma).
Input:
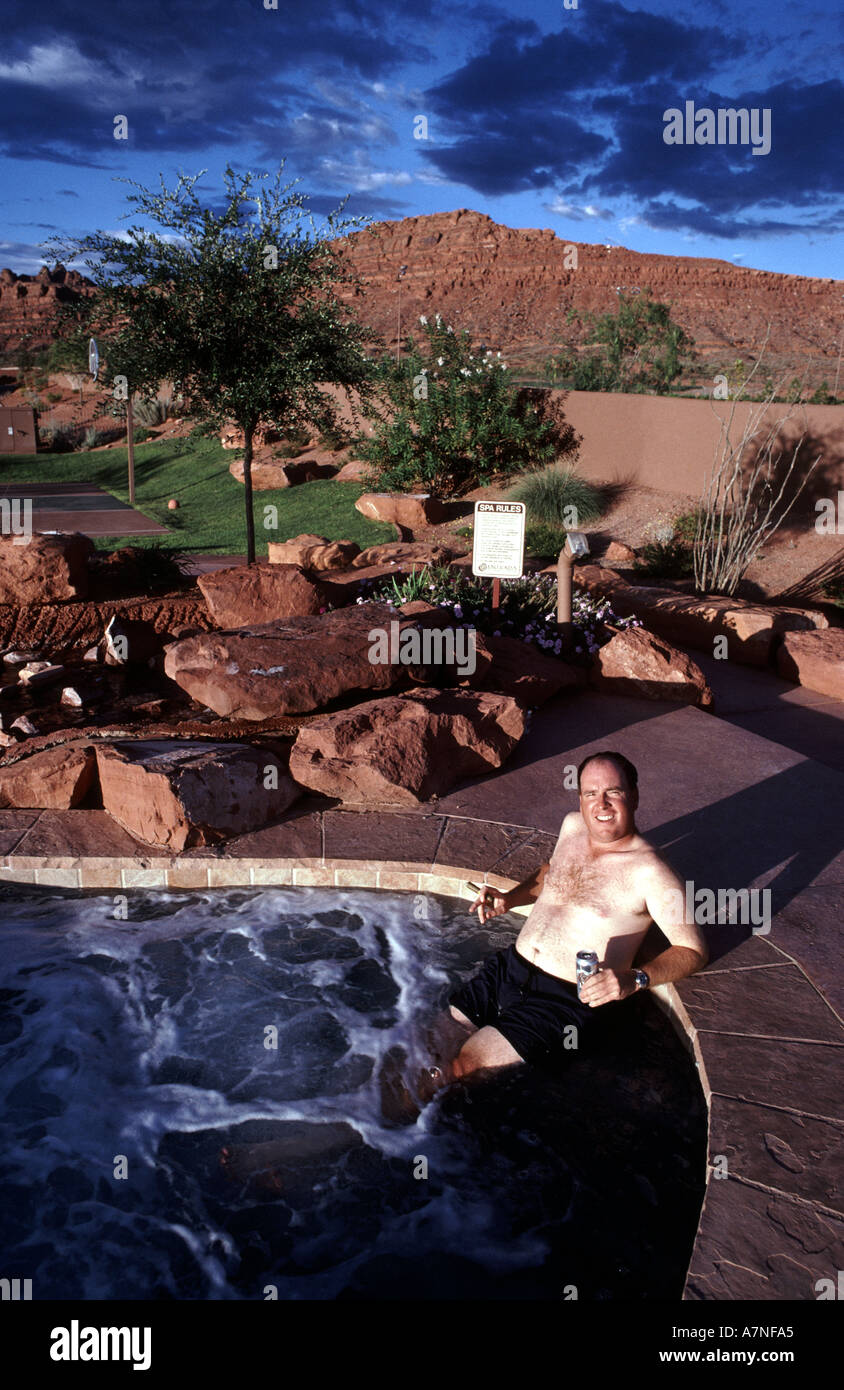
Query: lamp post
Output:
(402,270)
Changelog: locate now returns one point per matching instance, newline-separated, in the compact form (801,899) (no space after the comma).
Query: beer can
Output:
(586,965)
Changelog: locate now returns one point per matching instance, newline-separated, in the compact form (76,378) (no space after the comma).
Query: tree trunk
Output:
(247,492)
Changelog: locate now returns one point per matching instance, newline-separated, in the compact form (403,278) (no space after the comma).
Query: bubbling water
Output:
(135,1052)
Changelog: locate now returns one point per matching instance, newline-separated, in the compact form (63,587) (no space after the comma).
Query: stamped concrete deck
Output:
(730,807)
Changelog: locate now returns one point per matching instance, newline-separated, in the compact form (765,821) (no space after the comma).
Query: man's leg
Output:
(486,1049)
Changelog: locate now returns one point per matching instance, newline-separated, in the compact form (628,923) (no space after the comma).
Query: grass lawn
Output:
(211,517)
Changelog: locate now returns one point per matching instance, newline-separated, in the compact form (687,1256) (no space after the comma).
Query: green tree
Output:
(639,348)
(235,307)
(449,419)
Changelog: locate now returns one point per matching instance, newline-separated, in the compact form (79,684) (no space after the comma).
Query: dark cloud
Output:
(581,111)
(225,73)
(721,185)
(521,115)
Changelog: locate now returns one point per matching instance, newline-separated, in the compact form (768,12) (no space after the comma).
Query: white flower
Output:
(440,361)
(449,329)
(422,318)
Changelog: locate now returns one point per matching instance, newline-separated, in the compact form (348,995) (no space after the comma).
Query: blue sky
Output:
(537,114)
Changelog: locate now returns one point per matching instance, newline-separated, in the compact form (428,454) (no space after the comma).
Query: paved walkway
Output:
(730,809)
(81,507)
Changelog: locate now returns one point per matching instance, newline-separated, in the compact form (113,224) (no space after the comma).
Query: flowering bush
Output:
(449,419)
(528,609)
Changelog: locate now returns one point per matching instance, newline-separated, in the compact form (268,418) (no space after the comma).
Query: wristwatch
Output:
(642,979)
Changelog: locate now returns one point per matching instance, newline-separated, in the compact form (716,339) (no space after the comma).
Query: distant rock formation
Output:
(512,289)
(29,303)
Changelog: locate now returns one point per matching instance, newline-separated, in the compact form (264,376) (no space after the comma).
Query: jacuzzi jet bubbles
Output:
(191,1108)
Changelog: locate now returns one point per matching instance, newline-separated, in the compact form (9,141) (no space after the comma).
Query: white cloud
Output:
(59,64)
(577,213)
(360,175)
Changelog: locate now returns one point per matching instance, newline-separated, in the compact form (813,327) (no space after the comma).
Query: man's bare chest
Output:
(604,884)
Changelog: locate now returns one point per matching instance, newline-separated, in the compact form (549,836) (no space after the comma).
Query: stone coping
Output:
(766,1057)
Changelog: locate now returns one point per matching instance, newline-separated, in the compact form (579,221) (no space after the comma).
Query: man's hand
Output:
(489,903)
(606,986)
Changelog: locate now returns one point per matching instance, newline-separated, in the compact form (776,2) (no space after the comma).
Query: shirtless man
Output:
(600,891)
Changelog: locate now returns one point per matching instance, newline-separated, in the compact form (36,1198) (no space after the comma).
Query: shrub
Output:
(558,497)
(666,560)
(640,348)
(527,611)
(61,439)
(544,541)
(686,525)
(53,396)
(152,412)
(449,419)
(143,569)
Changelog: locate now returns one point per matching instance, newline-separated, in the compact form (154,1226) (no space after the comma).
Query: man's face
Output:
(607,803)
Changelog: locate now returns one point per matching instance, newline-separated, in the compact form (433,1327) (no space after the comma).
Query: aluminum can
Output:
(586,965)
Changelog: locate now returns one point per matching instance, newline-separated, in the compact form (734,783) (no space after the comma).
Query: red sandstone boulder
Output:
(408,510)
(352,472)
(752,630)
(313,553)
(407,554)
(44,568)
(530,676)
(177,794)
(54,780)
(815,659)
(407,749)
(617,553)
(284,668)
(271,472)
(634,662)
(246,595)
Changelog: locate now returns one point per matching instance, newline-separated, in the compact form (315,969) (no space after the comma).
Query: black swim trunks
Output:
(533,1010)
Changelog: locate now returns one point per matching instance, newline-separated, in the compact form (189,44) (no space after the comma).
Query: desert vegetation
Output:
(447,418)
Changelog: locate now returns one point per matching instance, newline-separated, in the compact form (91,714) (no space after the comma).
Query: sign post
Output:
(498,548)
(93,357)
(130,448)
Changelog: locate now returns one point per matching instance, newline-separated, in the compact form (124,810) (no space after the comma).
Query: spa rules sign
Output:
(499,545)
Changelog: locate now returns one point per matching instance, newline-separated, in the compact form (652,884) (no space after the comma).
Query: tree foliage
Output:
(236,307)
(639,348)
(450,419)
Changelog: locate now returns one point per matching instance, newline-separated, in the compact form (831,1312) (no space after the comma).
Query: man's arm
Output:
(665,900)
(490,902)
(528,891)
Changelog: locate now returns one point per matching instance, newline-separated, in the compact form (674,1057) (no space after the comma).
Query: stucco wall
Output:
(669,442)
